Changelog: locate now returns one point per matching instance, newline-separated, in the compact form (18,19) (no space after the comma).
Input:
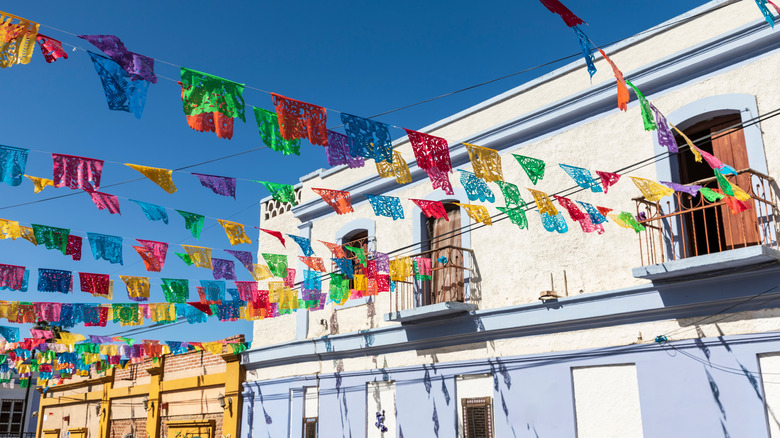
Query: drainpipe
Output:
(24,410)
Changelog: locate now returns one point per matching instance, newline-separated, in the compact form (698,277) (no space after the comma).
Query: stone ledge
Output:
(433,311)
(731,259)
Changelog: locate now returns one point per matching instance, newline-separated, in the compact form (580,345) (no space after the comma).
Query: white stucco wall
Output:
(606,402)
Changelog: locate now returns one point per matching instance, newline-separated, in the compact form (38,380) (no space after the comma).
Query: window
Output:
(713,230)
(447,276)
(477,417)
(11,412)
(310,411)
(357,239)
(310,427)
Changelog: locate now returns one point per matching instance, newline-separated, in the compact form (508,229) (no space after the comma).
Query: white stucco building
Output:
(474,352)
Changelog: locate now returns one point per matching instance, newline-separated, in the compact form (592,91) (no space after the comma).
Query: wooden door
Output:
(447,278)
(739,230)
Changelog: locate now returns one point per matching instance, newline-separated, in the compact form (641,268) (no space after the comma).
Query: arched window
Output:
(356,239)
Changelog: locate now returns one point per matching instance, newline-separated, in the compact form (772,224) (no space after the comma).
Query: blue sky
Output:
(362,58)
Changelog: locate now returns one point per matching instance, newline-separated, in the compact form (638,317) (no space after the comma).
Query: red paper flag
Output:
(556,7)
(339,200)
(301,120)
(276,234)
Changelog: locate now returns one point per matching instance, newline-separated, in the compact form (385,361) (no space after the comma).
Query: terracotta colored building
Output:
(191,394)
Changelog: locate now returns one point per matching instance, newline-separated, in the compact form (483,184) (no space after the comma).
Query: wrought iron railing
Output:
(17,435)
(450,279)
(688,226)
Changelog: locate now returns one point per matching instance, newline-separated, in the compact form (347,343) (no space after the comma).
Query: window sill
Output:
(433,311)
(731,259)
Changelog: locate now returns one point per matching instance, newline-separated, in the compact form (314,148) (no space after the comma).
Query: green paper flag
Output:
(51,237)
(175,290)
(280,192)
(511,194)
(710,194)
(533,167)
(268,125)
(647,114)
(723,183)
(516,215)
(193,222)
(277,264)
(205,93)
(185,257)
(629,219)
(339,287)
(359,252)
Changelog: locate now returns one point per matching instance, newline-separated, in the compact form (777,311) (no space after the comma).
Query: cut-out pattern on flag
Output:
(694,149)
(477,213)
(388,206)
(17,39)
(664,134)
(137,67)
(217,123)
(212,290)
(221,185)
(77,172)
(622,90)
(104,201)
(95,284)
(26,233)
(277,264)
(716,164)
(261,272)
(205,93)
(398,169)
(11,230)
(235,232)
(153,212)
(339,152)
(608,179)
(626,220)
(51,237)
(486,162)
(554,223)
(301,120)
(223,269)
(692,190)
(339,200)
(175,290)
(50,48)
(313,263)
(127,314)
(511,193)
(12,277)
(432,209)
(312,280)
(370,139)
(304,243)
(543,203)
(289,280)
(724,184)
(587,50)
(185,258)
(476,189)
(582,177)
(106,247)
(360,253)
(651,190)
(603,210)
(275,234)
(245,257)
(122,94)
(595,215)
(193,222)
(11,334)
(73,248)
(556,7)
(433,156)
(345,266)
(579,216)
(400,269)
(161,177)
(280,192)
(516,215)
(247,290)
(13,163)
(644,106)
(422,268)
(200,256)
(533,167)
(335,249)
(151,262)
(268,126)
(158,249)
(339,288)
(55,280)
(39,183)
(137,287)
(762,6)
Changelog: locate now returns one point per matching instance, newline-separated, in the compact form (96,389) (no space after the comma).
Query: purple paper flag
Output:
(665,136)
(100,339)
(338,151)
(245,257)
(137,66)
(223,269)
(221,185)
(691,190)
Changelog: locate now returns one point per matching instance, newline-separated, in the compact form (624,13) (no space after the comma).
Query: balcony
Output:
(688,235)
(446,291)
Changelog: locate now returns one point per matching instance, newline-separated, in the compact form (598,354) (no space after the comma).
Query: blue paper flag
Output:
(555,223)
(153,212)
(122,94)
(388,206)
(13,162)
(345,266)
(370,139)
(476,188)
(55,280)
(587,50)
(213,289)
(304,243)
(106,247)
(11,334)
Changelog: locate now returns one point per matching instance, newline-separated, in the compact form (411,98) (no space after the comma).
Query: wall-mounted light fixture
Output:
(146,403)
(222,404)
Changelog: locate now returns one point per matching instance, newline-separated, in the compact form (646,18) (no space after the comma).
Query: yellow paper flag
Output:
(651,190)
(28,234)
(261,272)
(17,40)
(543,202)
(200,256)
(477,212)
(486,162)
(235,232)
(9,229)
(40,183)
(161,177)
(137,287)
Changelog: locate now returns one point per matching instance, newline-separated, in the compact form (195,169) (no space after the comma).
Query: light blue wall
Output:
(533,396)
